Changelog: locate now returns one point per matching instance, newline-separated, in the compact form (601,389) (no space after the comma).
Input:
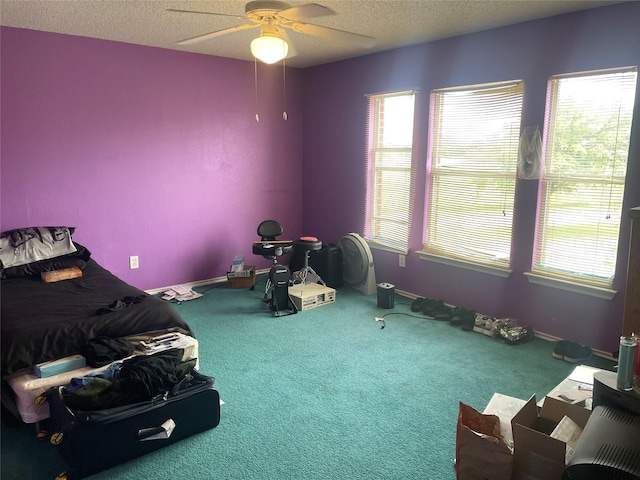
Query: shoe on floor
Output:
(417,304)
(436,309)
(576,353)
(429,306)
(461,317)
(560,349)
(479,322)
(492,326)
(468,321)
(442,314)
(503,325)
(488,329)
(515,335)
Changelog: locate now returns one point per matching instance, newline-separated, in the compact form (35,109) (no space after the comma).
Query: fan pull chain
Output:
(255,78)
(284,90)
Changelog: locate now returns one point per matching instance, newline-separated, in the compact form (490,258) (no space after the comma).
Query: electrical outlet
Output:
(401,260)
(133,262)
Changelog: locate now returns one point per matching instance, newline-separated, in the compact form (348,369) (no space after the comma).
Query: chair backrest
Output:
(269,230)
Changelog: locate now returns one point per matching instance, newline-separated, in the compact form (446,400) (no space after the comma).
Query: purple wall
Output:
(334,152)
(157,153)
(147,152)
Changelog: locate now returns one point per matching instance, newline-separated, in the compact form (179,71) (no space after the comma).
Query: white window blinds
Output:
(390,179)
(471,173)
(587,130)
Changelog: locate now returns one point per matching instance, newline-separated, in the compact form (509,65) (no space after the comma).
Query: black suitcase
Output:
(92,441)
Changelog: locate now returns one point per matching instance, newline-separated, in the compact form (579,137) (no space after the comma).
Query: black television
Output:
(609,447)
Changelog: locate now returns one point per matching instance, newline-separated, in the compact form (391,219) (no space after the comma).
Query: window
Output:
(586,145)
(390,176)
(471,175)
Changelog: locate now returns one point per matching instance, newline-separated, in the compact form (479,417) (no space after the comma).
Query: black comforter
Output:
(45,321)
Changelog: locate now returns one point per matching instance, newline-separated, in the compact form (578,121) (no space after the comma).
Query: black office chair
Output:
(276,292)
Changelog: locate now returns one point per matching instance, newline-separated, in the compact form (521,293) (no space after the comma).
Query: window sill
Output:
(496,271)
(379,246)
(598,292)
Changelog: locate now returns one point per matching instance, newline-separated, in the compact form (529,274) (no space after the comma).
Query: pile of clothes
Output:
(136,379)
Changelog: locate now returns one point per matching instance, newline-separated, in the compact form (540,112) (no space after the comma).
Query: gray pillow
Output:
(27,245)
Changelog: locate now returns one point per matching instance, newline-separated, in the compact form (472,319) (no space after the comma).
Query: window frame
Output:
(436,249)
(376,222)
(566,279)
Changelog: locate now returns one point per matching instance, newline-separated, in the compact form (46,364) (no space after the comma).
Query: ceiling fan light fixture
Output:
(269,48)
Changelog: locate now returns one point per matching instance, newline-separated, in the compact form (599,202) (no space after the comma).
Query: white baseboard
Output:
(199,283)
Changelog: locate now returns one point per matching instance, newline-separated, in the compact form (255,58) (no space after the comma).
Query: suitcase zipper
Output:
(118,413)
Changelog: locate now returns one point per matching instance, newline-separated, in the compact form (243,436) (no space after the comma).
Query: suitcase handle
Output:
(163,432)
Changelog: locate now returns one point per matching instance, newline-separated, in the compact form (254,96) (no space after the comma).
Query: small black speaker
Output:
(386,295)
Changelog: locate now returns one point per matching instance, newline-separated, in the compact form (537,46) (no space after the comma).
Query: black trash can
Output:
(386,295)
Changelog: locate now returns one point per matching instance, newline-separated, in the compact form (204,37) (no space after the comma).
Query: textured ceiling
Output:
(393,23)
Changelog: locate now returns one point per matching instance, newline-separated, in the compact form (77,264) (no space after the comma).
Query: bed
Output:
(46,321)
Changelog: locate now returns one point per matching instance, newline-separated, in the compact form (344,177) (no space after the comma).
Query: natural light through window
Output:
(389,170)
(472,173)
(586,147)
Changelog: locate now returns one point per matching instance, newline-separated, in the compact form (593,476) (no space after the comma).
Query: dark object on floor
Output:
(91,442)
(571,352)
(436,309)
(468,323)
(577,353)
(461,317)
(417,304)
(560,349)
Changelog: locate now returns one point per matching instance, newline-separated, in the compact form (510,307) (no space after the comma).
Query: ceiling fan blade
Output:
(302,12)
(292,52)
(205,13)
(217,33)
(334,34)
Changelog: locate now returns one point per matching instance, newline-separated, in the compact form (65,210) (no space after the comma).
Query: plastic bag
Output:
(481,450)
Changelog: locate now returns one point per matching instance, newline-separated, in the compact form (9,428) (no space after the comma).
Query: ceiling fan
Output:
(273,17)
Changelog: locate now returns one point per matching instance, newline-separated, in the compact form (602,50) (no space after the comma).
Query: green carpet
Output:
(325,393)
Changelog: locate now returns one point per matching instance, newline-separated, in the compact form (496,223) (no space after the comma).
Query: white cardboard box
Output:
(306,296)
(505,408)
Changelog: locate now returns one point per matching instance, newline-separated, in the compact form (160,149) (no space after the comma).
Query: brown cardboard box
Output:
(536,455)
(243,279)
